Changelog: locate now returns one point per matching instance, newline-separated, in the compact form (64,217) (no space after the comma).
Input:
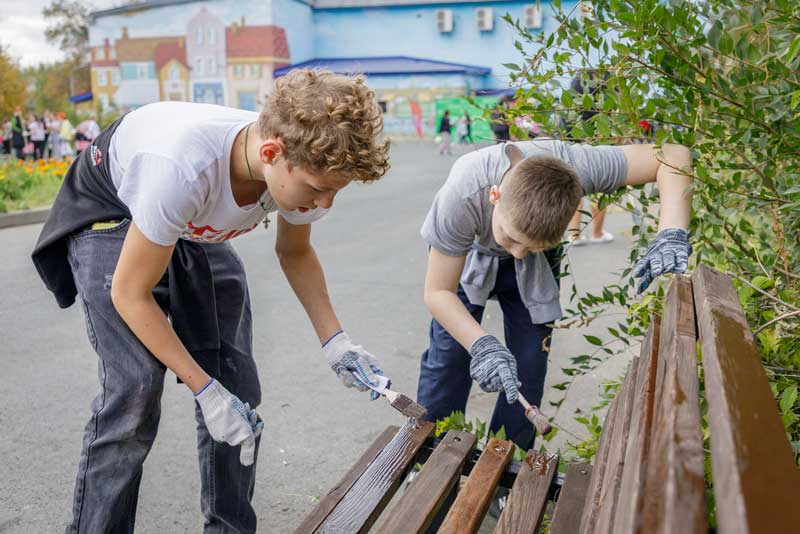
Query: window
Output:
(212,36)
(174,73)
(212,66)
(237,71)
(198,35)
(114,77)
(101,78)
(128,72)
(112,53)
(142,74)
(99,54)
(198,65)
(256,70)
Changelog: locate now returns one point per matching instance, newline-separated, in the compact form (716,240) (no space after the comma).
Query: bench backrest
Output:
(648,475)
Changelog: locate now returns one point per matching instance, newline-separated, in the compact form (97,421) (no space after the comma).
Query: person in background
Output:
(67,133)
(465,129)
(18,134)
(444,133)
(500,129)
(37,135)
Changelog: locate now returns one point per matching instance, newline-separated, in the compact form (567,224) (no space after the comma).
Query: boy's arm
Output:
(441,298)
(646,164)
(141,265)
(304,272)
(491,364)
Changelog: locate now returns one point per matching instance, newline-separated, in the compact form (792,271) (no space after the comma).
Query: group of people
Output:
(463,131)
(141,231)
(50,135)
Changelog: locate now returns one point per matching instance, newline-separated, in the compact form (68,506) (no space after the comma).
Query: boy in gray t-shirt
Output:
(488,229)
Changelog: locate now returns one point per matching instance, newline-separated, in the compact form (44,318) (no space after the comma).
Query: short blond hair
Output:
(540,195)
(329,124)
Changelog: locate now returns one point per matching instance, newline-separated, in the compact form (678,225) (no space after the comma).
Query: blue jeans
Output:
(126,412)
(444,380)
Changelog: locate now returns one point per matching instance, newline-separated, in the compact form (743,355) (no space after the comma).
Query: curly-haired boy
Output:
(140,231)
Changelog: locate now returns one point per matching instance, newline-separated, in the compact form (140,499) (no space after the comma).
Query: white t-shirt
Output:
(170,163)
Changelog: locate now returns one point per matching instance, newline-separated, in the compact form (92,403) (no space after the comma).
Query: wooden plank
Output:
(674,499)
(612,477)
(418,505)
(631,500)
(467,512)
(756,483)
(528,498)
(329,502)
(591,508)
(571,498)
(366,499)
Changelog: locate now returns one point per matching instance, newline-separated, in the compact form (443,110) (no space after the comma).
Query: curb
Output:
(22,218)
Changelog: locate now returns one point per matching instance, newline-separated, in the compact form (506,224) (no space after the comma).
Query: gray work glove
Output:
(354,366)
(494,367)
(668,253)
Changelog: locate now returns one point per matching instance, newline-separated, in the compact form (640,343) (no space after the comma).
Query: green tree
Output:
(68,26)
(12,88)
(720,77)
(51,86)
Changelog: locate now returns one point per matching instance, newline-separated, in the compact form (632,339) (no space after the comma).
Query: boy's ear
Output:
(270,149)
(494,195)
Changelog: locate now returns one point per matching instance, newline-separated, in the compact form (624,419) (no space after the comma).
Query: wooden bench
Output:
(648,474)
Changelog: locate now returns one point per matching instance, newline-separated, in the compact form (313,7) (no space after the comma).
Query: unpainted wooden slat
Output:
(329,502)
(571,498)
(420,502)
(630,499)
(674,499)
(591,507)
(756,483)
(616,456)
(528,497)
(467,512)
(366,499)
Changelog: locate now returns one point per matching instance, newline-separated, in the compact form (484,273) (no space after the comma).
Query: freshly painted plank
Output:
(467,512)
(756,483)
(363,503)
(329,502)
(417,506)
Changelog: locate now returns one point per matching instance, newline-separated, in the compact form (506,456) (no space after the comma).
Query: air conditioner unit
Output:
(533,16)
(444,20)
(485,19)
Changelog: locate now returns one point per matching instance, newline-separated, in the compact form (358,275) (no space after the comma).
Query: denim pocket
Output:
(123,224)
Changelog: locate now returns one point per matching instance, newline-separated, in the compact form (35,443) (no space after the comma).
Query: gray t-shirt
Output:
(459,222)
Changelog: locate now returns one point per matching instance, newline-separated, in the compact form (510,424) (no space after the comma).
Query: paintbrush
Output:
(401,403)
(535,416)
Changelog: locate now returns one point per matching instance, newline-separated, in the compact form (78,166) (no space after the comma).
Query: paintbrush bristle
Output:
(408,407)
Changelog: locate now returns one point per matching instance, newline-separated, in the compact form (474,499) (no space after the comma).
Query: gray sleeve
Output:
(454,218)
(600,168)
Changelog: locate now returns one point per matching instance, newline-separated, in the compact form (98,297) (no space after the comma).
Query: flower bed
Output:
(30,184)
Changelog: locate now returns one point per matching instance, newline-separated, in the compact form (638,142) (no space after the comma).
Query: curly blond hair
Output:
(329,124)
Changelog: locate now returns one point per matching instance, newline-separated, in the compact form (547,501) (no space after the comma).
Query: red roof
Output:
(256,41)
(170,50)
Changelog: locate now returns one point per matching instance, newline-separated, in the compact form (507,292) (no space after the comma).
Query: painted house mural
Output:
(415,53)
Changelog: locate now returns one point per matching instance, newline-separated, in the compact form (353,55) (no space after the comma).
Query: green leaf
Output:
(512,66)
(788,398)
(594,340)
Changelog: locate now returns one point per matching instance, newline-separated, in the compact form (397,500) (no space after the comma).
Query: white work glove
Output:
(229,420)
(354,366)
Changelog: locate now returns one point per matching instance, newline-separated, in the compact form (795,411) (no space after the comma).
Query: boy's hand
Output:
(348,359)
(494,367)
(229,420)
(668,253)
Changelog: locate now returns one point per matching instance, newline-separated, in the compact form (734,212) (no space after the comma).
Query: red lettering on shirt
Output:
(210,234)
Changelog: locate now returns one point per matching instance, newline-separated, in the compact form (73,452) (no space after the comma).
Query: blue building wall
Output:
(412,31)
(297,19)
